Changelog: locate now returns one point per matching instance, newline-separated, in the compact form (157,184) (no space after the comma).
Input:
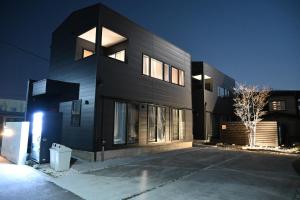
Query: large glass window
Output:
(156,69)
(181,77)
(166,72)
(161,123)
(132,123)
(181,124)
(157,123)
(151,123)
(120,55)
(120,123)
(174,75)
(146,65)
(86,44)
(175,124)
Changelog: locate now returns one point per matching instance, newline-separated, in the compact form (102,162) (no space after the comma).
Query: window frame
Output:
(164,72)
(162,68)
(72,123)
(125,52)
(82,53)
(165,109)
(164,64)
(177,75)
(149,66)
(278,100)
(180,70)
(126,143)
(81,49)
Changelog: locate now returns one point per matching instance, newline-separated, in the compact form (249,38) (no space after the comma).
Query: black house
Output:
(212,100)
(284,107)
(115,83)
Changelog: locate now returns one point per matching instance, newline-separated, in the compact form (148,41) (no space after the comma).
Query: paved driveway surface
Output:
(23,182)
(195,173)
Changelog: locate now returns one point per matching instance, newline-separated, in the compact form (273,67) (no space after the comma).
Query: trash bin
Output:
(60,157)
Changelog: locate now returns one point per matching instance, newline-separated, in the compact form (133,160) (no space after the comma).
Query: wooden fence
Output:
(236,133)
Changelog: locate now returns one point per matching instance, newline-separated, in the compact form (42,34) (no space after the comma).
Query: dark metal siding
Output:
(207,104)
(101,76)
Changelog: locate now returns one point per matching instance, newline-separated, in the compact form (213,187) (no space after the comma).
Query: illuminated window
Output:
(166,72)
(277,105)
(120,55)
(120,123)
(299,105)
(157,126)
(146,65)
(209,83)
(156,69)
(181,77)
(163,71)
(76,113)
(181,124)
(110,38)
(175,124)
(87,53)
(86,44)
(174,75)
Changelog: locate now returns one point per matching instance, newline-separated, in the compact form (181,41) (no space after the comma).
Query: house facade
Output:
(212,101)
(284,107)
(116,84)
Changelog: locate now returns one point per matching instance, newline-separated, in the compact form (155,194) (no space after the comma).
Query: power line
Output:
(24,51)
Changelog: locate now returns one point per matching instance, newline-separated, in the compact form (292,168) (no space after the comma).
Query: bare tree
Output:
(249,102)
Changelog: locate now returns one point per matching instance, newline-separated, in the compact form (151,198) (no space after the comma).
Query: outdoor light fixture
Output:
(37,126)
(224,127)
(199,77)
(7,132)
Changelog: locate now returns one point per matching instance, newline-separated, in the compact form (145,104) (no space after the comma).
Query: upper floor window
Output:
(120,55)
(277,105)
(156,69)
(223,92)
(174,75)
(181,77)
(163,71)
(146,65)
(299,105)
(87,53)
(166,72)
(209,83)
(86,44)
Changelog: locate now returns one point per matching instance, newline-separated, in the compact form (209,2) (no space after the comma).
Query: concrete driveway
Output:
(195,173)
(23,182)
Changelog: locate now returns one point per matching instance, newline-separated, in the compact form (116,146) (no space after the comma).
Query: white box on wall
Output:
(15,141)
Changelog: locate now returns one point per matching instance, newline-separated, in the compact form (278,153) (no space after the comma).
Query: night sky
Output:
(255,42)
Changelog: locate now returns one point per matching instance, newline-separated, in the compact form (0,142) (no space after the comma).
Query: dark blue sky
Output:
(253,41)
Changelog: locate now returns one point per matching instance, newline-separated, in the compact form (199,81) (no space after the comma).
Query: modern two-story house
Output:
(115,83)
(212,101)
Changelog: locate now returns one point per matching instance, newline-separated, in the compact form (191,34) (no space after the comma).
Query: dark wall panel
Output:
(236,133)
